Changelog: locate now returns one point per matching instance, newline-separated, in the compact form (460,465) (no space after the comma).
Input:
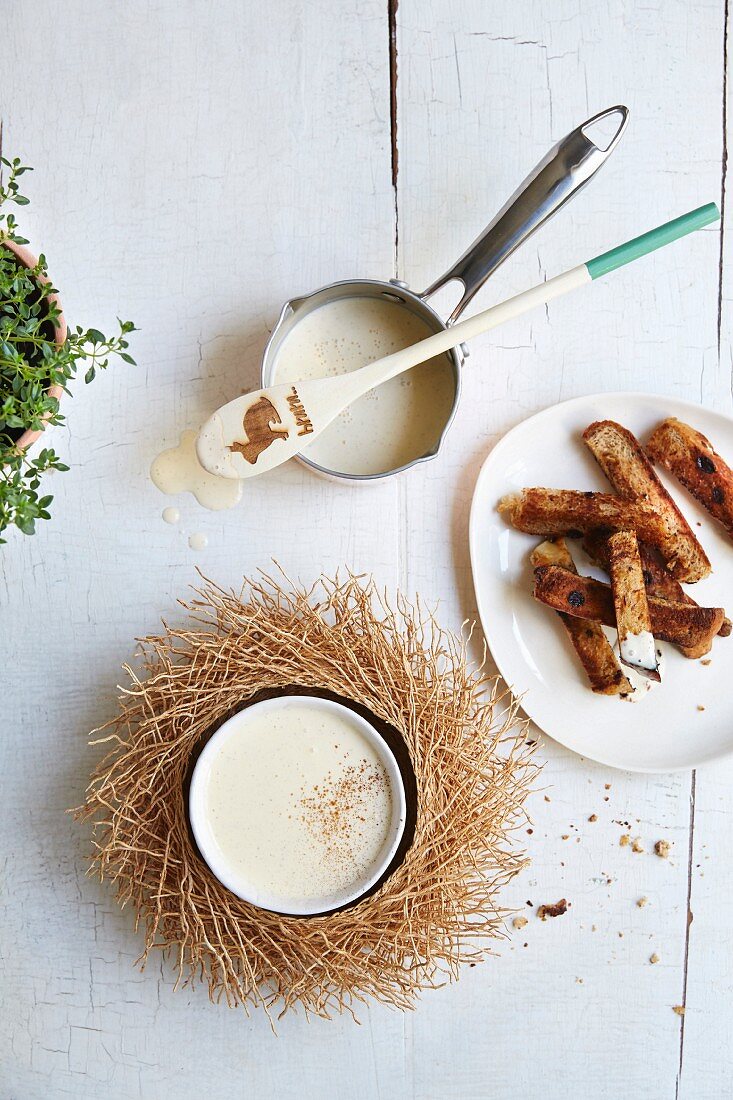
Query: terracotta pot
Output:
(27,259)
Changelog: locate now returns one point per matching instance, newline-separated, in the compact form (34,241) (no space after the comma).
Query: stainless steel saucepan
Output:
(560,175)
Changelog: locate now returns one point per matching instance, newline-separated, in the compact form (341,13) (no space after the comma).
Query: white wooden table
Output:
(197,164)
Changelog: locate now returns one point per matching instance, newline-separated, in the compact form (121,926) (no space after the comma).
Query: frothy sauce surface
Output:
(298,803)
(398,421)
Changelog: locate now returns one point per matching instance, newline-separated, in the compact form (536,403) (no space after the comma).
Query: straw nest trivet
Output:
(463,753)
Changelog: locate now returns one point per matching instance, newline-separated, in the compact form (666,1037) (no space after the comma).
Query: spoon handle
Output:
(655,238)
(375,373)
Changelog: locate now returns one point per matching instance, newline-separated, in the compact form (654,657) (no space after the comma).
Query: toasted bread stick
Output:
(688,455)
(587,598)
(622,459)
(589,642)
(658,581)
(571,512)
(635,639)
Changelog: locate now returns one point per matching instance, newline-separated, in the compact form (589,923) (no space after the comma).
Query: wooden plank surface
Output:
(706,1055)
(196,165)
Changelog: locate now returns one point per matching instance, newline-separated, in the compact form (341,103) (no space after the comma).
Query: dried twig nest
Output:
(465,745)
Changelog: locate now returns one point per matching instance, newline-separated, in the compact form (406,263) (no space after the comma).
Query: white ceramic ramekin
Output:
(204,836)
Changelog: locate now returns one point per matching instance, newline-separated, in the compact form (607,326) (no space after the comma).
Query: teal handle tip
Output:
(655,238)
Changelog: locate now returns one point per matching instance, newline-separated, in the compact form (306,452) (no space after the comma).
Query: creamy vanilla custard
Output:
(397,422)
(297,805)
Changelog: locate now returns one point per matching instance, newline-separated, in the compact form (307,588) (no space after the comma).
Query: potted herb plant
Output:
(38,358)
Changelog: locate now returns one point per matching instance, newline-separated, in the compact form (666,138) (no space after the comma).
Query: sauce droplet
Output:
(171,515)
(198,541)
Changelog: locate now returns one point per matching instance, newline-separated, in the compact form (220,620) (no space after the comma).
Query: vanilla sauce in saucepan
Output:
(397,422)
(388,428)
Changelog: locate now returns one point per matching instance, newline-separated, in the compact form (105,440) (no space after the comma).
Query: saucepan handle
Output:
(560,175)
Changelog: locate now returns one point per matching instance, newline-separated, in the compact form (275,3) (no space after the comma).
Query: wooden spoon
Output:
(260,430)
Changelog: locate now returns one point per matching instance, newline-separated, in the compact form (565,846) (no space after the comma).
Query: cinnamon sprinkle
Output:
(340,813)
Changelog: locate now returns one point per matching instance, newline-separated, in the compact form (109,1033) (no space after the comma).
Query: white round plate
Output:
(666,730)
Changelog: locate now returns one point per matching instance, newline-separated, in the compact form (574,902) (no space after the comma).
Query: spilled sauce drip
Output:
(178,470)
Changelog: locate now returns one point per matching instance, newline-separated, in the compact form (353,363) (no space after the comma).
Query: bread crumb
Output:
(642,902)
(636,845)
(654,958)
(620,935)
(547,798)
(679,1009)
(555,910)
(519,922)
(593,817)
(707,661)
(594,928)
(565,836)
(624,840)
(663,848)
(579,981)
(700,706)
(607,786)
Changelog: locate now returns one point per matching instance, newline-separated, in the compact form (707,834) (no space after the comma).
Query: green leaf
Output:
(30,363)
